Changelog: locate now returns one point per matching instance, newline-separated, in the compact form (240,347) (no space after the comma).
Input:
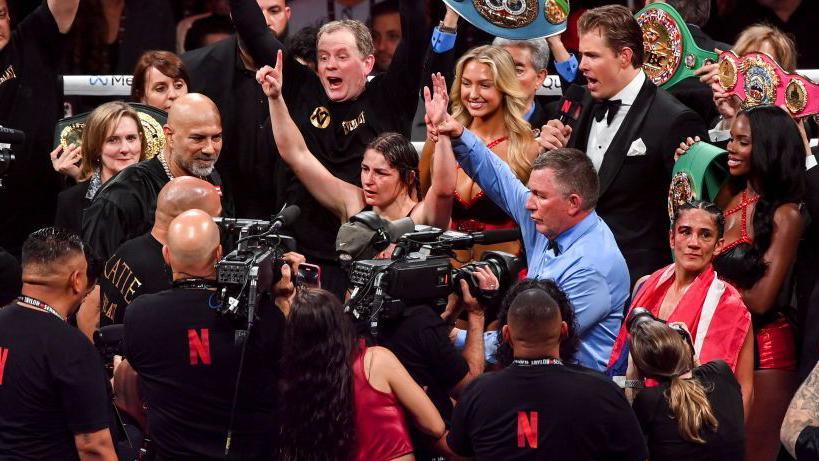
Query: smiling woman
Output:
(159,78)
(113,139)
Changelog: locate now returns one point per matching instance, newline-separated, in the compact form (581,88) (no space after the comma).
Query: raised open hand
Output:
(270,78)
(436,103)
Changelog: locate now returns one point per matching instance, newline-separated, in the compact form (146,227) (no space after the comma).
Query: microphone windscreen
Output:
(395,229)
(497,236)
(289,215)
(354,241)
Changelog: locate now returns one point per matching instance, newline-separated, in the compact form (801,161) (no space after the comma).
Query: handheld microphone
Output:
(571,104)
(11,136)
(460,240)
(287,217)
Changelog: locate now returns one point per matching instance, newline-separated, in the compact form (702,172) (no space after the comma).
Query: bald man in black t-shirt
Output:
(539,407)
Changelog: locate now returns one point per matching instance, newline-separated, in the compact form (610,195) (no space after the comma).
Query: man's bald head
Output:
(193,244)
(194,135)
(534,319)
(186,193)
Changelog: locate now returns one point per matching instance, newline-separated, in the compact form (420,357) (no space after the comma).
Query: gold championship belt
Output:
(670,53)
(757,79)
(514,19)
(69,130)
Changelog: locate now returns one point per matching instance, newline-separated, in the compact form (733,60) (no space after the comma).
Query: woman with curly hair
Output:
(341,399)
(487,98)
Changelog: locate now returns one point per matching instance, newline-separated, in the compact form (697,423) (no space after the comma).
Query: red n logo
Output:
(527,429)
(4,354)
(199,345)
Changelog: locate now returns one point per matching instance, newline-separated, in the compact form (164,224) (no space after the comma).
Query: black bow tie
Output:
(553,246)
(607,105)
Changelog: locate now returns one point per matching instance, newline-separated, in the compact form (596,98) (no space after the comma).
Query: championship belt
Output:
(671,55)
(69,130)
(514,19)
(697,175)
(757,79)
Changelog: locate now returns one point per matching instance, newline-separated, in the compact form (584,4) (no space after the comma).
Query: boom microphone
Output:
(571,104)
(287,217)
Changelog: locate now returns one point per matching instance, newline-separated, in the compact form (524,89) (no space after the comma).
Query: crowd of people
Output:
(636,329)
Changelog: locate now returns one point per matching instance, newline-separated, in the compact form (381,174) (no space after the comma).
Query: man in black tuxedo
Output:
(629,128)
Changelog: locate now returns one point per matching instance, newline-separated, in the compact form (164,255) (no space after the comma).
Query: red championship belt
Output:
(757,79)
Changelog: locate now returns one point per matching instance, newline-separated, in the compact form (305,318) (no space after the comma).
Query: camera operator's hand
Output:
(285,288)
(67,161)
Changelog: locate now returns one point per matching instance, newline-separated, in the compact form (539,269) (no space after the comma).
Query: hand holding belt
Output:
(610,106)
(757,79)
(671,54)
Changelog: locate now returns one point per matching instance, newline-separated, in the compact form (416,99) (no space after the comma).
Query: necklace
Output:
(37,304)
(537,362)
(161,157)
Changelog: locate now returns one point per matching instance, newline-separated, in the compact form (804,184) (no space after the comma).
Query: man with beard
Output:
(124,207)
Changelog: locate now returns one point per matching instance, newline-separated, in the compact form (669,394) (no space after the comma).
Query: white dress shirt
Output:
(601,134)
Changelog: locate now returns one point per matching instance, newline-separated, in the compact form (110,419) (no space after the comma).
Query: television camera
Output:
(8,137)
(253,268)
(420,271)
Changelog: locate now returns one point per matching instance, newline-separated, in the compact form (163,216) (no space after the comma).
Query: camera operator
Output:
(189,356)
(138,268)
(420,339)
(53,399)
(30,102)
(539,407)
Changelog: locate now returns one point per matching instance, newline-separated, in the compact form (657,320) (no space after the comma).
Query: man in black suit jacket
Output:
(630,129)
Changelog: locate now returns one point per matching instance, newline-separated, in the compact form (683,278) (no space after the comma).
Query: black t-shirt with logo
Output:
(541,412)
(30,101)
(52,386)
(663,433)
(187,356)
(137,268)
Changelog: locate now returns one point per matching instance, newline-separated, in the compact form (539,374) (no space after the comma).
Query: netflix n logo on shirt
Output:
(199,346)
(527,429)
(4,354)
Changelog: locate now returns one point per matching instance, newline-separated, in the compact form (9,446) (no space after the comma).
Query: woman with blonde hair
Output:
(112,140)
(695,412)
(487,98)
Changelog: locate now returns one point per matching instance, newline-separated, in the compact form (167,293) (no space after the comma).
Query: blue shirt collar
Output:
(566,239)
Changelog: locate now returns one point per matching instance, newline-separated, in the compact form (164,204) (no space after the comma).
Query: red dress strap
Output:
(743,232)
(382,432)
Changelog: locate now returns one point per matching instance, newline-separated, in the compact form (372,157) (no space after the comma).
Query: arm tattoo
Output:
(802,412)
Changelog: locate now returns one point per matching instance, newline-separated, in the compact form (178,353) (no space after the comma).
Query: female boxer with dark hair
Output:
(389,169)
(763,226)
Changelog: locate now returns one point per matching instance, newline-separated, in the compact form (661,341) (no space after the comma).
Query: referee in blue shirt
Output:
(563,237)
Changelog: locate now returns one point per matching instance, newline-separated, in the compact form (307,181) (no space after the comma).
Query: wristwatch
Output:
(446,29)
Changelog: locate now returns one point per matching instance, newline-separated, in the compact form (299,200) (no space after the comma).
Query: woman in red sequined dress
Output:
(766,161)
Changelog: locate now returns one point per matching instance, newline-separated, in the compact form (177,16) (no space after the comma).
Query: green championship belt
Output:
(671,55)
(697,175)
(69,130)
